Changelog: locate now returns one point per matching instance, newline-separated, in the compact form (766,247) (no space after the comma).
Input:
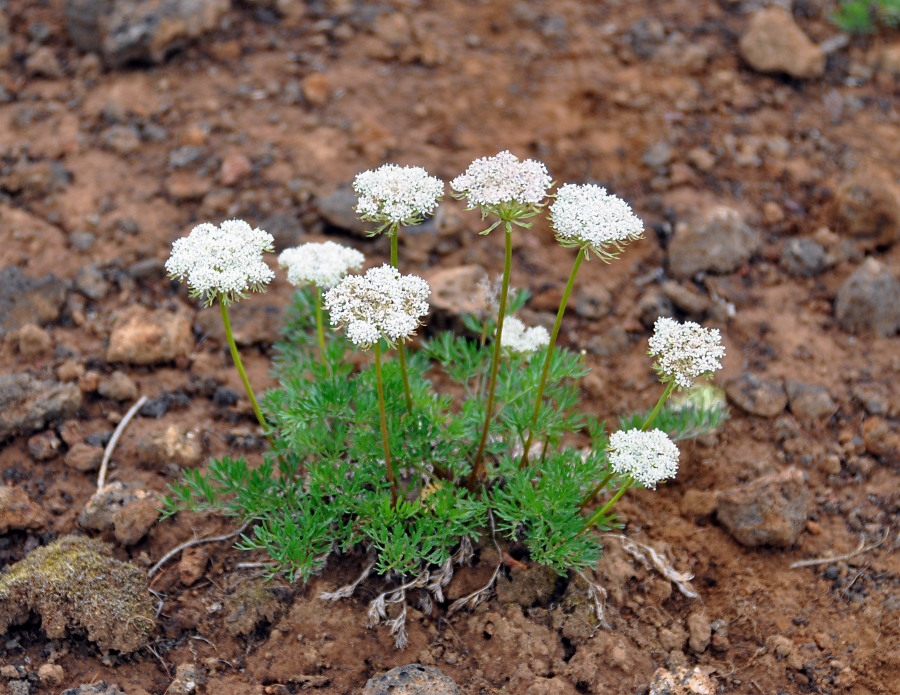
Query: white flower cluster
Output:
(397,195)
(519,339)
(380,304)
(685,351)
(648,457)
(491,181)
(224,261)
(586,215)
(322,265)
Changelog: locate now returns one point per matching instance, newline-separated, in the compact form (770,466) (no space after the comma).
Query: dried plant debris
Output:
(254,603)
(74,583)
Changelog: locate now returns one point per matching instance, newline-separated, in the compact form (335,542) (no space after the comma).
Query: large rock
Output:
(719,242)
(456,291)
(25,300)
(123,31)
(339,210)
(774,43)
(28,404)
(771,510)
(869,301)
(149,337)
(868,208)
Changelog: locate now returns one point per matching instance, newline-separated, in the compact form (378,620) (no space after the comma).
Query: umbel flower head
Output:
(394,195)
(380,304)
(648,457)
(685,351)
(224,261)
(322,265)
(503,186)
(518,339)
(588,217)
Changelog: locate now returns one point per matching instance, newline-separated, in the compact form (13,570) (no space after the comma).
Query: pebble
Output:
(869,301)
(44,445)
(145,337)
(804,257)
(51,675)
(719,242)
(188,677)
(683,681)
(809,401)
(592,301)
(28,404)
(90,282)
(868,208)
(84,457)
(29,300)
(118,386)
(611,342)
(184,186)
(688,300)
(699,631)
(286,229)
(756,395)
(43,63)
(771,510)
(173,445)
(121,139)
(412,679)
(192,564)
(773,43)
(234,167)
(881,438)
(32,340)
(17,511)
(874,397)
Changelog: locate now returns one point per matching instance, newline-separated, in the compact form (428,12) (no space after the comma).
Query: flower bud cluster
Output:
(648,457)
(322,265)
(516,338)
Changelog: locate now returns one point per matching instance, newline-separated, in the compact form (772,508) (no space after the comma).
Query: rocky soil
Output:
(757,142)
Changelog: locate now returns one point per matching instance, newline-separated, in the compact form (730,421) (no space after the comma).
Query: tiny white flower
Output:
(648,457)
(322,265)
(224,261)
(587,216)
(503,179)
(685,351)
(392,194)
(380,304)
(519,339)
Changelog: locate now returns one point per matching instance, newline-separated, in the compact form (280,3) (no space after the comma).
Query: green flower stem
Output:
(236,357)
(320,330)
(596,489)
(600,513)
(401,349)
(384,431)
(546,370)
(659,404)
(478,463)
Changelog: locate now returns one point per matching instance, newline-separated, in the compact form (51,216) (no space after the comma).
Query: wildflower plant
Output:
(368,455)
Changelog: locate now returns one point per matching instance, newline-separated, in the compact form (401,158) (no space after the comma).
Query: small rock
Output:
(785,650)
(719,243)
(99,688)
(804,257)
(44,446)
(688,300)
(456,291)
(183,186)
(339,210)
(413,679)
(28,404)
(188,677)
(70,370)
(874,397)
(592,301)
(757,396)
(10,671)
(700,632)
(611,342)
(43,63)
(652,305)
(89,382)
(252,323)
(683,681)
(174,445)
(149,337)
(122,139)
(18,687)
(881,439)
(809,401)
(234,167)
(130,512)
(192,564)
(17,511)
(286,229)
(658,155)
(84,457)
(868,208)
(32,340)
(29,300)
(51,675)
(118,387)
(774,43)
(91,283)
(315,89)
(869,301)
(771,510)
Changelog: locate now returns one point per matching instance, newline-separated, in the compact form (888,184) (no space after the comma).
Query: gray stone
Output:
(44,446)
(653,304)
(757,396)
(719,242)
(29,300)
(774,43)
(869,301)
(868,208)
(592,301)
(413,679)
(28,404)
(771,510)
(339,210)
(804,257)
(90,282)
(658,155)
(285,228)
(100,688)
(147,337)
(123,31)
(688,300)
(809,401)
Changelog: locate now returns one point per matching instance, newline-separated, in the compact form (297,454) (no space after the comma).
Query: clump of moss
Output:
(75,583)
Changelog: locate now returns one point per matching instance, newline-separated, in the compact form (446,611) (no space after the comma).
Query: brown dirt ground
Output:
(442,85)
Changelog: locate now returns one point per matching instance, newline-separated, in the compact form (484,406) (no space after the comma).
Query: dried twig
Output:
(839,558)
(107,453)
(195,541)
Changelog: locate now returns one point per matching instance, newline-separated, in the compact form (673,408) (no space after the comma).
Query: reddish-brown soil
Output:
(437,85)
